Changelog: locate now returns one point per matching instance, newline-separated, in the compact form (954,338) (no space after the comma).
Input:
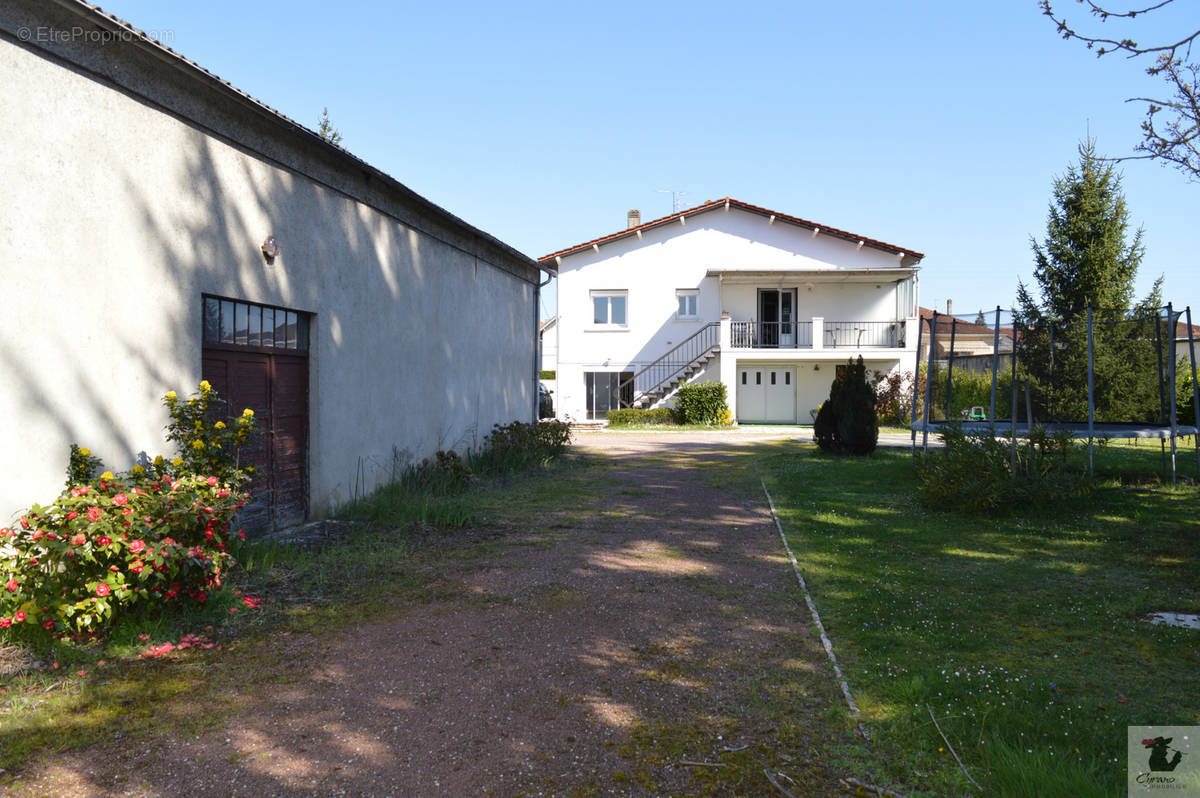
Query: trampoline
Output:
(1153,348)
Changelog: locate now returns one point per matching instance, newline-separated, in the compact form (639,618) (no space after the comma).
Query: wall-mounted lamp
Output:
(271,248)
(816,366)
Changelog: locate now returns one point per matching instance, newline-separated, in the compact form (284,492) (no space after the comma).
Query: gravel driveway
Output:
(648,640)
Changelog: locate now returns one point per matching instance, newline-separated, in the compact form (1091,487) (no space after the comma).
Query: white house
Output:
(161,226)
(769,304)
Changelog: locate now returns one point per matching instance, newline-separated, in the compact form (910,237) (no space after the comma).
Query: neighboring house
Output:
(769,304)
(548,338)
(143,197)
(973,343)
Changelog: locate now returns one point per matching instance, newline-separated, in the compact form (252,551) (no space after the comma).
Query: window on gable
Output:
(688,300)
(610,308)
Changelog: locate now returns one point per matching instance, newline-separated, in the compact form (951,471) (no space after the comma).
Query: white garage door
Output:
(766,394)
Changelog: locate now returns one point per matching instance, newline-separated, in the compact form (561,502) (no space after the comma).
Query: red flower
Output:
(170,594)
(127,511)
(120,499)
(103,590)
(137,546)
(212,480)
(94,514)
(48,624)
(5,623)
(24,524)
(200,596)
(5,532)
(19,616)
(79,539)
(12,585)
(38,535)
(137,567)
(103,540)
(71,516)
(208,533)
(241,534)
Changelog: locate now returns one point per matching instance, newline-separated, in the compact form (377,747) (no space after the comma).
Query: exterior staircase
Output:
(659,379)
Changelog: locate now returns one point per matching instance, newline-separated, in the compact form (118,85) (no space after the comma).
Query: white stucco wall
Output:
(682,256)
(119,216)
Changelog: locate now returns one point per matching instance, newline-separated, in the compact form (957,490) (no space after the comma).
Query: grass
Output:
(1022,635)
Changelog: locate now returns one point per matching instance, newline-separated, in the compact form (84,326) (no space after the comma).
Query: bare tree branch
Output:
(1171,129)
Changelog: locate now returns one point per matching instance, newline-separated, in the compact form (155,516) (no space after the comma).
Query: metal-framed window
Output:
(688,304)
(235,323)
(610,308)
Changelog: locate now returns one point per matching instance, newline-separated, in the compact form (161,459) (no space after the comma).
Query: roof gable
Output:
(727,204)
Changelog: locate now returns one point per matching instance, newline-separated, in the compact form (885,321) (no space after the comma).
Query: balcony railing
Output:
(857,334)
(799,334)
(770,334)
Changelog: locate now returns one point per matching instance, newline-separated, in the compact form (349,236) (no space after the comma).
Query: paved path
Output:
(600,649)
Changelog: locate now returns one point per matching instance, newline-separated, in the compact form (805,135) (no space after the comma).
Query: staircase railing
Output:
(662,371)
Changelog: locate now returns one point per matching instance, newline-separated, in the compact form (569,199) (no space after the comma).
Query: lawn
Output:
(1022,635)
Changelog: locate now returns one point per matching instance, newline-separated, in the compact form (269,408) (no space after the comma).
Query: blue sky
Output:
(938,126)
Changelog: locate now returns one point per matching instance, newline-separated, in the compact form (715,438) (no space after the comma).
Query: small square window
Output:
(687,303)
(609,308)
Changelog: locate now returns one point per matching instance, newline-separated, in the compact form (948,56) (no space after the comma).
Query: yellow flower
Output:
(177,462)
(247,413)
(192,402)
(158,461)
(137,469)
(106,476)
(85,451)
(220,425)
(204,386)
(171,396)
(197,444)
(199,425)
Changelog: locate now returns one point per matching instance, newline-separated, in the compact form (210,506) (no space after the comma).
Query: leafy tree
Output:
(326,130)
(1087,260)
(1171,129)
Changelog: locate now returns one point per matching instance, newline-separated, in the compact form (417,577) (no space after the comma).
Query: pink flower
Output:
(137,546)
(212,480)
(71,516)
(94,514)
(103,540)
(137,567)
(5,623)
(103,590)
(38,535)
(12,585)
(19,616)
(120,499)
(79,539)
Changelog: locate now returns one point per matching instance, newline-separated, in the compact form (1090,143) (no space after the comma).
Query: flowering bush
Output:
(207,443)
(107,544)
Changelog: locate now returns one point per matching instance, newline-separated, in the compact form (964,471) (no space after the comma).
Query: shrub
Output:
(444,473)
(700,403)
(846,422)
(111,543)
(547,374)
(971,474)
(82,465)
(631,416)
(519,445)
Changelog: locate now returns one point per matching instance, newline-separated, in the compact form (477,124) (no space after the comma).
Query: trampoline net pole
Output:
(1195,390)
(916,381)
(950,367)
(1091,382)
(928,382)
(1171,383)
(995,370)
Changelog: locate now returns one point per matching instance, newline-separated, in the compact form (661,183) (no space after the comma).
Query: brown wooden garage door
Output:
(256,356)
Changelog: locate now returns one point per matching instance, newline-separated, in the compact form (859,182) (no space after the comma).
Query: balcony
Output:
(846,335)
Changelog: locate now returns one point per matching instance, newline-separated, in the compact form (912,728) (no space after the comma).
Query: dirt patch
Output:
(652,642)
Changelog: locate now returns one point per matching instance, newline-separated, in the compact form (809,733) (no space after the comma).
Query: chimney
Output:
(949,307)
(633,219)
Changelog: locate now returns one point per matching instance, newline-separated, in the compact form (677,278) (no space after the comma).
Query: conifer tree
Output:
(326,130)
(1087,259)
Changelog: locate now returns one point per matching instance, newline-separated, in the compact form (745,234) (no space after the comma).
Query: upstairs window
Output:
(610,308)
(688,301)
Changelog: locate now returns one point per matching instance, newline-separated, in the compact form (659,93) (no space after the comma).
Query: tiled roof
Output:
(83,7)
(961,327)
(745,206)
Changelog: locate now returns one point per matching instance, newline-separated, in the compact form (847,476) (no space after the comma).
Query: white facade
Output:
(136,184)
(760,284)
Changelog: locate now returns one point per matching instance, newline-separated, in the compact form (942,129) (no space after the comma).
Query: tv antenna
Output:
(675,195)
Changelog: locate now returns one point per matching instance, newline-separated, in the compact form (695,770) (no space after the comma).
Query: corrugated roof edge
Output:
(101,16)
(721,203)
